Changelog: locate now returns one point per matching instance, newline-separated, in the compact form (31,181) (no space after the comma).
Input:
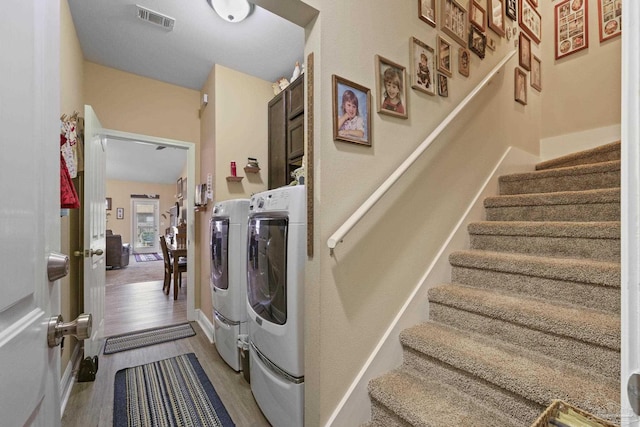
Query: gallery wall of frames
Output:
(461,32)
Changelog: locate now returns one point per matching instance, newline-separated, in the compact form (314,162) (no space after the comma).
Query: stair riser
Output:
(582,212)
(491,395)
(589,356)
(577,182)
(586,295)
(383,416)
(563,247)
(602,154)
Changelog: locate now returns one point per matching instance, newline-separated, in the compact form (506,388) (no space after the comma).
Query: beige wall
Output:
(227,135)
(589,81)
(120,193)
(71,99)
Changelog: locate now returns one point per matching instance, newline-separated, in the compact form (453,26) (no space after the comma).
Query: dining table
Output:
(176,251)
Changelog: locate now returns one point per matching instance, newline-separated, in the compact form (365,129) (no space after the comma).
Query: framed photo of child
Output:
(443,85)
(423,66)
(351,111)
(391,87)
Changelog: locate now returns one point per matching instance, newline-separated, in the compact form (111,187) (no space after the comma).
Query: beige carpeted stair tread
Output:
(583,230)
(587,325)
(574,178)
(605,152)
(607,195)
(602,273)
(513,369)
(428,403)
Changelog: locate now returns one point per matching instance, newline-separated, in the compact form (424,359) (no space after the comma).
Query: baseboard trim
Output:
(355,407)
(205,324)
(68,377)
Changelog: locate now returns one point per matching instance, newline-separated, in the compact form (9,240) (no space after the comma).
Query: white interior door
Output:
(95,223)
(630,222)
(30,210)
(145,217)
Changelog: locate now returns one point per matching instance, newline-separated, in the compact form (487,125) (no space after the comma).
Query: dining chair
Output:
(168,266)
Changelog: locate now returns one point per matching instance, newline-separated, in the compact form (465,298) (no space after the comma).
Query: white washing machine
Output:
(276,252)
(228,259)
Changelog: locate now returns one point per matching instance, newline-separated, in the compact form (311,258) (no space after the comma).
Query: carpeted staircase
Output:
(532,312)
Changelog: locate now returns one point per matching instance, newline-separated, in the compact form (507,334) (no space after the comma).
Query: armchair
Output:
(117,252)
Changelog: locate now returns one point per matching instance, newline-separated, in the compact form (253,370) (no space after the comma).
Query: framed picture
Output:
(427,11)
(536,73)
(423,66)
(464,59)
(530,20)
(392,88)
(444,56)
(524,54)
(179,188)
(477,15)
(609,19)
(511,9)
(351,111)
(491,43)
(495,10)
(119,213)
(571,27)
(443,85)
(520,83)
(477,42)
(108,203)
(454,20)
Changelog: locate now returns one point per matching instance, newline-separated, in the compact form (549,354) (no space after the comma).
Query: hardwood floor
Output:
(140,305)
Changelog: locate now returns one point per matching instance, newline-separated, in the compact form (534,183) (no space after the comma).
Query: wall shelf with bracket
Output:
(234,178)
(251,169)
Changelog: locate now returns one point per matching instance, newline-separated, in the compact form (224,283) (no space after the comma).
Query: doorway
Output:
(150,217)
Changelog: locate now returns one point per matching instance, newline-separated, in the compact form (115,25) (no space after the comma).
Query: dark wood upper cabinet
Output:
(286,133)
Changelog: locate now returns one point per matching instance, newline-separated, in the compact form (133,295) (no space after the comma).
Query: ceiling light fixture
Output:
(231,10)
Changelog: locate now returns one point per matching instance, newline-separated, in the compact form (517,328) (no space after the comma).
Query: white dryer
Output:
(275,302)
(228,259)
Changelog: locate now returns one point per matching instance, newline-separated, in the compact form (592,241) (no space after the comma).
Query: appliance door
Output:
(279,396)
(219,232)
(267,268)
(225,333)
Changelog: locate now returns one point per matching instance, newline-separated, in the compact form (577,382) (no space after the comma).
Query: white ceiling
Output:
(110,33)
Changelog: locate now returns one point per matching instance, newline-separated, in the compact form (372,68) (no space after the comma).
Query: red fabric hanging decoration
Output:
(68,195)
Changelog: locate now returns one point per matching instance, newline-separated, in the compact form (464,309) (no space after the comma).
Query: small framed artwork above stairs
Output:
(531,312)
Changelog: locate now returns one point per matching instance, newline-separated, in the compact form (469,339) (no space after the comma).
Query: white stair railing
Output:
(344,229)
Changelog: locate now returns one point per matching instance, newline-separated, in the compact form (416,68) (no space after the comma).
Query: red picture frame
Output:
(571,27)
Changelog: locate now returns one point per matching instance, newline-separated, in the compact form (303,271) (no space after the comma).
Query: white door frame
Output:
(630,205)
(191,177)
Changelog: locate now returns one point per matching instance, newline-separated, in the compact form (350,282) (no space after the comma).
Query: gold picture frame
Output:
(454,21)
(355,128)
(391,85)
(423,66)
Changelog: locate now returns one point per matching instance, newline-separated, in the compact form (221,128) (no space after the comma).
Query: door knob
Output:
(80,328)
(96,252)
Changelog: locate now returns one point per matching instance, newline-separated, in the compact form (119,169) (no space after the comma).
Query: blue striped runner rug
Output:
(169,392)
(147,337)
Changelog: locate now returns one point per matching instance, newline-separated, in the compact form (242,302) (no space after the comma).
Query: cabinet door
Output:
(295,137)
(295,98)
(277,142)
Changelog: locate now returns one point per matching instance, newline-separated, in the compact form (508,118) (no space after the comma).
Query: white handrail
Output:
(377,195)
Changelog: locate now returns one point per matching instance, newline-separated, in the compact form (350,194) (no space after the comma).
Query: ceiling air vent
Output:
(155,18)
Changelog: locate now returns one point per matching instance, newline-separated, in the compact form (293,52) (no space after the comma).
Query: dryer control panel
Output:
(270,201)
